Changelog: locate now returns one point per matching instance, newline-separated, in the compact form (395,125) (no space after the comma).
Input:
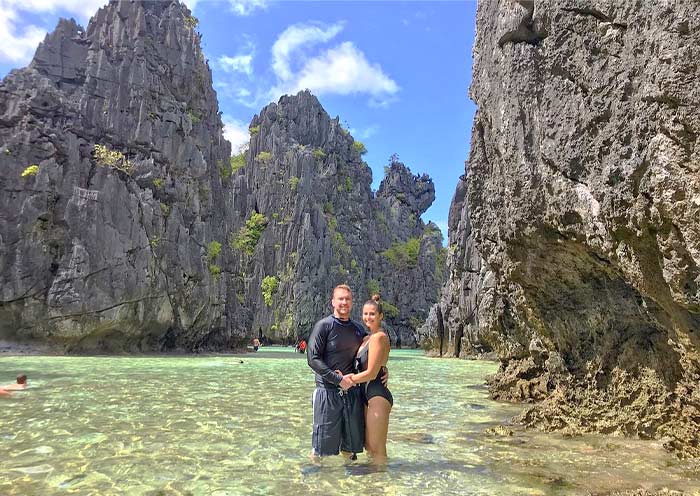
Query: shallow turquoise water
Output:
(230,425)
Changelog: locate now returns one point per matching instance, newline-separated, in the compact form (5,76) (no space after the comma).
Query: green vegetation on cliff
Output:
(269,287)
(402,255)
(248,236)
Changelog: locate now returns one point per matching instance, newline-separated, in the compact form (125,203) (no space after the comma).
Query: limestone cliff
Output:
(575,254)
(125,224)
(104,240)
(324,226)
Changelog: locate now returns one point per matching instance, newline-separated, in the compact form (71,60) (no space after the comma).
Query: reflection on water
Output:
(232,425)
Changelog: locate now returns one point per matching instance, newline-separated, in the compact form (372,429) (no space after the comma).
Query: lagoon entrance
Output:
(234,425)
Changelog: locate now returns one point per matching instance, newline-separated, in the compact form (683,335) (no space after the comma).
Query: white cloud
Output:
(232,90)
(81,8)
(365,133)
(237,133)
(20,41)
(239,63)
(247,7)
(295,37)
(191,4)
(17,47)
(342,70)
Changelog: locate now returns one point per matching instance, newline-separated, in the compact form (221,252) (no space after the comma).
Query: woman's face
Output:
(371,316)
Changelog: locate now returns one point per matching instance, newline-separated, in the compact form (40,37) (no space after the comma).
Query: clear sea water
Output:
(239,425)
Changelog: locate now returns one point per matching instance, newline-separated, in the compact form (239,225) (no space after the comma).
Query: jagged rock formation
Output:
(459,324)
(101,256)
(123,226)
(582,198)
(325,226)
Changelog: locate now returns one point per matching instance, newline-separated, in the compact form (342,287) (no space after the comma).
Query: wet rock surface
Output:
(575,240)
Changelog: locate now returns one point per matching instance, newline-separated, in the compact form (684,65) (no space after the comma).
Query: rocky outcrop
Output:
(457,325)
(125,226)
(325,226)
(583,199)
(109,145)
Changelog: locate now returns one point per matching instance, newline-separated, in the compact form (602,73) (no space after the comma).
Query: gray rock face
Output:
(99,256)
(125,227)
(458,324)
(326,227)
(583,196)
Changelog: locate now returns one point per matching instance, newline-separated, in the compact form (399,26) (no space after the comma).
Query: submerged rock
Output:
(575,233)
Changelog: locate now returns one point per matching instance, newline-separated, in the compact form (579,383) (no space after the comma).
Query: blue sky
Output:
(396,73)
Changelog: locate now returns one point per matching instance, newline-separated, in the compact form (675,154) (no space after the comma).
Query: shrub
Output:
(237,162)
(402,255)
(373,287)
(248,236)
(191,22)
(213,250)
(340,246)
(269,287)
(215,270)
(223,170)
(158,182)
(165,208)
(194,116)
(110,158)
(319,154)
(254,130)
(30,171)
(360,148)
(390,311)
(264,157)
(293,182)
(415,322)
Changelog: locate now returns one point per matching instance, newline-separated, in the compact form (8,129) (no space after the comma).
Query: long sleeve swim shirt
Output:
(332,346)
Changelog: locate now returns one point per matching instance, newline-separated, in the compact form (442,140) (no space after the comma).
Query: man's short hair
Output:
(21,379)
(341,286)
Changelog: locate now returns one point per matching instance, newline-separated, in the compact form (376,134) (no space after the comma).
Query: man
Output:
(338,410)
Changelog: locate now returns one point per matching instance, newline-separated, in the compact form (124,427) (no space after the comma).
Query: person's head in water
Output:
(22,379)
(342,301)
(372,313)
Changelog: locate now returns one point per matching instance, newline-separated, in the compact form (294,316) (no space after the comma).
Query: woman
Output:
(371,357)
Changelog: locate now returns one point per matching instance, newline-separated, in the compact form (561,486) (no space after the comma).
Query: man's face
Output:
(342,303)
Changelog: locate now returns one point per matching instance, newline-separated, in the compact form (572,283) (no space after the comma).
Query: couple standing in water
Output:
(351,403)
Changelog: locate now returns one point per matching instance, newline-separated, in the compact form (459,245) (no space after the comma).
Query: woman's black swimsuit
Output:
(374,387)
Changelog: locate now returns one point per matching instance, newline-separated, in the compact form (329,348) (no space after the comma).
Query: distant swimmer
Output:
(18,386)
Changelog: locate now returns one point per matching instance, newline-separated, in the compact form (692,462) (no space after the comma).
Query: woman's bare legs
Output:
(376,428)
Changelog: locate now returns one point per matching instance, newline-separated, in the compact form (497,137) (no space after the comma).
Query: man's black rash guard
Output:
(332,346)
